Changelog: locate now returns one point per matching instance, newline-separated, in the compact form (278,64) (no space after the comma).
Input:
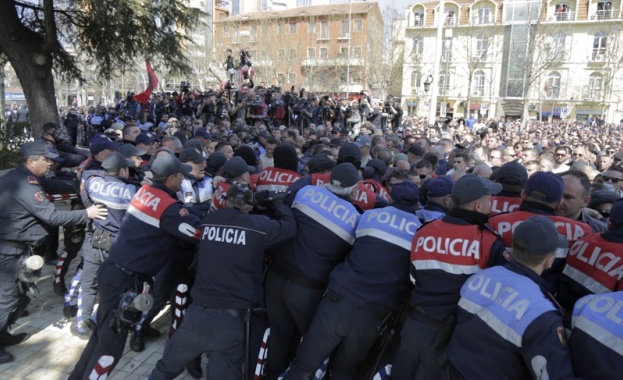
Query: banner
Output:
(143,97)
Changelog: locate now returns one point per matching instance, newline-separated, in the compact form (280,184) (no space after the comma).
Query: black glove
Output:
(262,200)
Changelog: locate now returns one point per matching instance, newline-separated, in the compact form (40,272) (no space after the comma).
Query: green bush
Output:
(12,136)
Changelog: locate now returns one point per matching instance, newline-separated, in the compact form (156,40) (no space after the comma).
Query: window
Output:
(311,27)
(281,53)
(264,5)
(265,30)
(355,78)
(281,79)
(482,45)
(236,37)
(562,12)
(356,53)
(416,79)
(482,16)
(303,3)
(604,10)
(478,84)
(253,33)
(450,19)
(552,87)
(311,53)
(446,50)
(418,19)
(281,28)
(344,52)
(324,53)
(345,29)
(226,31)
(358,25)
(599,46)
(444,82)
(595,83)
(293,53)
(324,29)
(291,78)
(418,46)
(292,28)
(557,46)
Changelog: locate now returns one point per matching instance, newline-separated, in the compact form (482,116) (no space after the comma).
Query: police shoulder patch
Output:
(40,196)
(562,336)
(32,180)
(184,212)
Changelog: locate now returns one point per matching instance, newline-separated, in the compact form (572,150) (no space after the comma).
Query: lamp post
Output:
(441,18)
(350,5)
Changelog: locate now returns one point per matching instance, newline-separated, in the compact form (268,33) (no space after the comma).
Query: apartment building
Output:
(325,48)
(517,58)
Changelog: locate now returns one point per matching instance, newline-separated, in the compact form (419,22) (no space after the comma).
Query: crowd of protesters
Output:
(231,139)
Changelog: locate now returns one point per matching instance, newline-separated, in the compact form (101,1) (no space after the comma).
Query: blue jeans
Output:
(339,325)
(213,331)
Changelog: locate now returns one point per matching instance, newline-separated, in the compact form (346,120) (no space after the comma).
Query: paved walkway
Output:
(52,351)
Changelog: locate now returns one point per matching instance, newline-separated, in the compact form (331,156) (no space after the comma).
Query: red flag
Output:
(143,97)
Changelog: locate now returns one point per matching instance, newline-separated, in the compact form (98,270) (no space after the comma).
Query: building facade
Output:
(326,48)
(534,59)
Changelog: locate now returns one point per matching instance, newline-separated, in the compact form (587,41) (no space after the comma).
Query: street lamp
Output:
(427,83)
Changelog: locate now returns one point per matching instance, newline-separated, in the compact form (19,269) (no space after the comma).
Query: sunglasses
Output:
(578,155)
(560,154)
(605,178)
(610,151)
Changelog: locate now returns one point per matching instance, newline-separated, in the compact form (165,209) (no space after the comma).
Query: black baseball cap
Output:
(129,150)
(191,155)
(236,167)
(471,187)
(36,148)
(167,165)
(116,161)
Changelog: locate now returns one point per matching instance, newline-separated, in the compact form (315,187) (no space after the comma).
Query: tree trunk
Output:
(32,63)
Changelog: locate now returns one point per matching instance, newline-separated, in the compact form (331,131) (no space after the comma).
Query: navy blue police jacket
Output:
(326,232)
(26,211)
(375,274)
(156,221)
(597,339)
(113,192)
(231,254)
(509,327)
(444,253)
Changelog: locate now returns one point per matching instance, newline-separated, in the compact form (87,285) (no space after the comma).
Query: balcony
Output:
(482,19)
(608,14)
(564,16)
(323,36)
(418,21)
(450,20)
(598,55)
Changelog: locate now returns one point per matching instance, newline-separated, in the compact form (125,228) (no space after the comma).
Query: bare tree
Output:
(385,57)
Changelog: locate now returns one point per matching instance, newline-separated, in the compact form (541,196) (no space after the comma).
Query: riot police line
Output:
(346,249)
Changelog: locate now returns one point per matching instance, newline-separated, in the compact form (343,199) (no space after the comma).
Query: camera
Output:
(185,86)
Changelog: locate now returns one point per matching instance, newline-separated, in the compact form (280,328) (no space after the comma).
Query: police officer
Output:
(226,287)
(299,271)
(363,291)
(112,190)
(542,196)
(234,170)
(25,212)
(507,311)
(512,176)
(594,262)
(436,195)
(444,254)
(154,225)
(283,174)
(197,188)
(54,137)
(596,336)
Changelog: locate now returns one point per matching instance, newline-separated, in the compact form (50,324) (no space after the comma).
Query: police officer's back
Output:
(505,311)
(228,283)
(444,254)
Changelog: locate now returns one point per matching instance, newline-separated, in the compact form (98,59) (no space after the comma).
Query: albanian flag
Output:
(143,97)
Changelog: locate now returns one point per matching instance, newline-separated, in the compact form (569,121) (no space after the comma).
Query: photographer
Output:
(353,121)
(208,110)
(256,110)
(387,115)
(396,119)
(326,111)
(311,112)
(374,115)
(229,64)
(239,109)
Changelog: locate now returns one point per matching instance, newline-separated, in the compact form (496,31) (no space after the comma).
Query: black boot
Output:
(194,368)
(7,339)
(137,343)
(5,357)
